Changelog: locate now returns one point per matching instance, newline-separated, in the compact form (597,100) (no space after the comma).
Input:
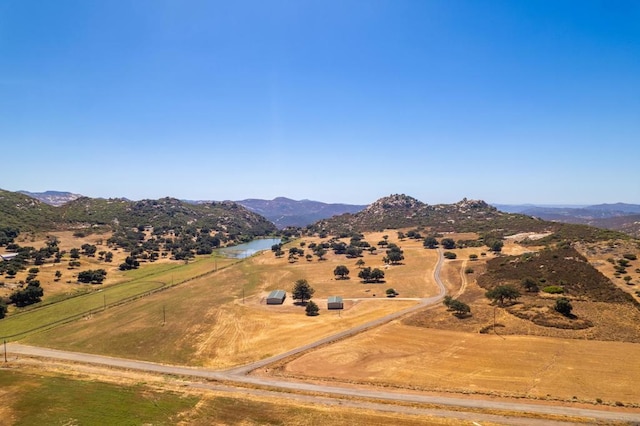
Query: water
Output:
(248,249)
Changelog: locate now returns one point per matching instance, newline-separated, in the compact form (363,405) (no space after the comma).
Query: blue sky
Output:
(337,101)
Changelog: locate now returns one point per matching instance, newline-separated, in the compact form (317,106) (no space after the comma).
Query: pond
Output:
(248,249)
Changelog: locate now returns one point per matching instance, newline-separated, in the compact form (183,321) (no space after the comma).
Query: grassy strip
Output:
(38,400)
(79,305)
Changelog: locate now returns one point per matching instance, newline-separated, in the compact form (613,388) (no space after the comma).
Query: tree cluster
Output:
(92,276)
(31,294)
(458,307)
(369,275)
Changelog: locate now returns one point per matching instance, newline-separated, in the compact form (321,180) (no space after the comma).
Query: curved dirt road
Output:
(336,393)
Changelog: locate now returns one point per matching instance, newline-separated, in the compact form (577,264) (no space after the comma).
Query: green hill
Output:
(26,213)
(231,219)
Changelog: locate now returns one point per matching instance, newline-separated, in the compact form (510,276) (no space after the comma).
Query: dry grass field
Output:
(443,360)
(205,322)
(220,320)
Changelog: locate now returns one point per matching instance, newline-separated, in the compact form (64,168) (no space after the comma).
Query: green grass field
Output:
(50,400)
(34,399)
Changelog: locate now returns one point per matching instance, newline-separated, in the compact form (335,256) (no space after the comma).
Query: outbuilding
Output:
(335,302)
(276,297)
(8,256)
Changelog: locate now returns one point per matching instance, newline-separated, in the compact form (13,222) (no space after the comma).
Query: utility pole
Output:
(164,315)
(104,302)
(5,351)
(494,320)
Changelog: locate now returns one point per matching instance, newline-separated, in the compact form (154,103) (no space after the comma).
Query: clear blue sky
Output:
(337,101)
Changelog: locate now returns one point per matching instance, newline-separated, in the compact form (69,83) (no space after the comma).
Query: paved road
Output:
(239,376)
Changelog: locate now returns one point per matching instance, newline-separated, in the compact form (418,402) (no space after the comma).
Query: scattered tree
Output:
(320,252)
(391,292)
(448,243)
(58,275)
(449,255)
(3,309)
(430,243)
(503,292)
(341,272)
(302,291)
(394,254)
(459,308)
(360,263)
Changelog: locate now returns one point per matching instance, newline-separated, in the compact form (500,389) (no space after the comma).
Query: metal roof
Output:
(277,294)
(8,256)
(334,299)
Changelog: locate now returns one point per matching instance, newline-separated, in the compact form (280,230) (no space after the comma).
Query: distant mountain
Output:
(53,198)
(617,207)
(402,211)
(285,212)
(619,216)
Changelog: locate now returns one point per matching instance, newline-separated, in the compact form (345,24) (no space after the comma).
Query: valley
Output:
(185,326)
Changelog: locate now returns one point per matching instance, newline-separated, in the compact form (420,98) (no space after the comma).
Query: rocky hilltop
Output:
(402,211)
(53,198)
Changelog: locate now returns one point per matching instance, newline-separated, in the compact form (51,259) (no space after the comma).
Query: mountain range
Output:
(619,216)
(389,212)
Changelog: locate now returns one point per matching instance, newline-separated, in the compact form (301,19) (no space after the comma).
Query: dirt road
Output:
(383,400)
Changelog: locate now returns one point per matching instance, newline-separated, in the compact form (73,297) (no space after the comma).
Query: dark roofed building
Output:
(335,302)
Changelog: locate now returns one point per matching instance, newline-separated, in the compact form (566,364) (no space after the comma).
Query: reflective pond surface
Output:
(248,249)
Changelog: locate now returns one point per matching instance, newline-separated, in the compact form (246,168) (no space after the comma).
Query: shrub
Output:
(530,284)
(468,270)
(312,309)
(391,292)
(449,255)
(473,256)
(563,305)
(553,289)
(630,256)
(447,301)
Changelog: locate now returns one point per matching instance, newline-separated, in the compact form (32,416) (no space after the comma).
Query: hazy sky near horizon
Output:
(335,101)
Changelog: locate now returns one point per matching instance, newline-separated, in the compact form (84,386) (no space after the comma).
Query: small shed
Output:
(8,256)
(335,302)
(276,297)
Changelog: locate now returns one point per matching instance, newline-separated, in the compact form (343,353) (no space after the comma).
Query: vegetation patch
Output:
(548,317)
